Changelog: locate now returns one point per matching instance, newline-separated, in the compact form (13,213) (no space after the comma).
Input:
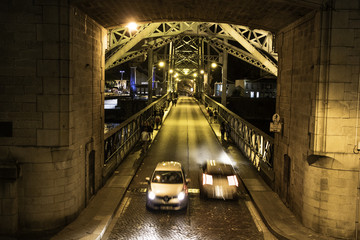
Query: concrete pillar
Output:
(52,86)
(317,99)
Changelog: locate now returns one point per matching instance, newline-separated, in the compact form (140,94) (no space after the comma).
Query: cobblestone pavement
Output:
(204,219)
(185,137)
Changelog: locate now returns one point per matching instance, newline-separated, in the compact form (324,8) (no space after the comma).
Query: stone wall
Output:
(316,171)
(51,96)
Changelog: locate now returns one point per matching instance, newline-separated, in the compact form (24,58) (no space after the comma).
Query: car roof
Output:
(168,166)
(215,167)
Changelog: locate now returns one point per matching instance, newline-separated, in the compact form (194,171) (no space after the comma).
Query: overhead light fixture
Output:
(132,26)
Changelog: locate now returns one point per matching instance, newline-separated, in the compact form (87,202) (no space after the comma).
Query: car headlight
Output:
(181,196)
(151,195)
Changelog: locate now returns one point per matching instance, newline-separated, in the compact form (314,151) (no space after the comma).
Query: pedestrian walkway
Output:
(93,221)
(96,217)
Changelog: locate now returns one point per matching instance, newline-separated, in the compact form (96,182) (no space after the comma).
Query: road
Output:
(185,137)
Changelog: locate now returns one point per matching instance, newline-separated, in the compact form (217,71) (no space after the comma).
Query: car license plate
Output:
(165,207)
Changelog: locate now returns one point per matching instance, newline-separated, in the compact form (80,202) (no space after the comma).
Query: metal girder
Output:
(122,41)
(152,45)
(259,38)
(143,33)
(250,48)
(245,56)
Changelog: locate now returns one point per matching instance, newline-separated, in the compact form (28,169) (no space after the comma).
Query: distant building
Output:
(218,89)
(261,88)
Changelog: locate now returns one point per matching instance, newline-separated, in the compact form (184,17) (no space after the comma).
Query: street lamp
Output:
(152,79)
(224,81)
(132,26)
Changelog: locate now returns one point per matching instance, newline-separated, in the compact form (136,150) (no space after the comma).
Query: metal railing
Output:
(256,145)
(119,141)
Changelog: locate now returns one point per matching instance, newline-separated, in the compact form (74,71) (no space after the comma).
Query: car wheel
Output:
(148,208)
(202,195)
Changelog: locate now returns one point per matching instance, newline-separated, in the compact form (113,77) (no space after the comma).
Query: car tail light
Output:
(207,179)
(233,180)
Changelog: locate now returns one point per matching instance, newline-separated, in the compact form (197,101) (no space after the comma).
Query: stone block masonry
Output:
(51,95)
(317,99)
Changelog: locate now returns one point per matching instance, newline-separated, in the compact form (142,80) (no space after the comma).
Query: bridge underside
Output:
(271,15)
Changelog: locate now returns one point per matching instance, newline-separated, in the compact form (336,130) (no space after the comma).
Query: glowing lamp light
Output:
(132,26)
(161,64)
(195,74)
(213,65)
(202,71)
(171,71)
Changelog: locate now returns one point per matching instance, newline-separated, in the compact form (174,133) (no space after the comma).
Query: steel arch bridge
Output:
(187,39)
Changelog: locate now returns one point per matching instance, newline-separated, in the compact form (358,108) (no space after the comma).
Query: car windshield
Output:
(167,177)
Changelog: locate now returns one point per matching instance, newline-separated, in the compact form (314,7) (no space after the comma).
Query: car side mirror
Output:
(147,179)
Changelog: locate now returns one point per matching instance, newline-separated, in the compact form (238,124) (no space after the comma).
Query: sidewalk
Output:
(277,217)
(96,217)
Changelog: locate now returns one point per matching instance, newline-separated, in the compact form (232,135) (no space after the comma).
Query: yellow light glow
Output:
(161,64)
(132,26)
(213,65)
(195,74)
(202,71)
(171,71)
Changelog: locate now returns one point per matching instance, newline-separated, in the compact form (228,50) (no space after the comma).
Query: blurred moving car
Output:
(167,187)
(218,180)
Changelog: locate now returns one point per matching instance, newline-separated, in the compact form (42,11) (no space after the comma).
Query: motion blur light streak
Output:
(207,179)
(233,181)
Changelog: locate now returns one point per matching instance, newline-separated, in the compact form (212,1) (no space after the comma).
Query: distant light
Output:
(202,71)
(171,71)
(132,26)
(161,64)
(213,65)
(195,74)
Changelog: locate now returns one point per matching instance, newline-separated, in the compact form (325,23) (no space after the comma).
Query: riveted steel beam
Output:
(241,54)
(143,33)
(250,48)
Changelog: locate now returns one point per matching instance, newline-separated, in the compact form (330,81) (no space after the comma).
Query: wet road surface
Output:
(185,137)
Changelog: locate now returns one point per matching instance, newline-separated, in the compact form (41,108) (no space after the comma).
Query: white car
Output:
(167,187)
(218,180)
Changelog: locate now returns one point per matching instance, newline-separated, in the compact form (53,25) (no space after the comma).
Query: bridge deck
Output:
(95,219)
